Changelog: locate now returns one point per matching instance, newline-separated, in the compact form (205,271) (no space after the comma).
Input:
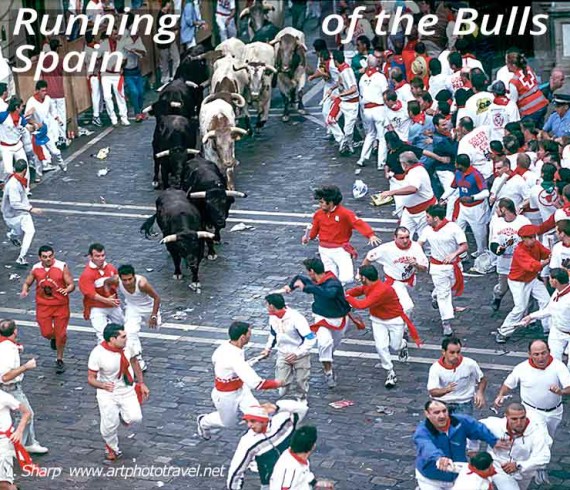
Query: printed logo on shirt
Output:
(547,199)
(483,106)
(498,120)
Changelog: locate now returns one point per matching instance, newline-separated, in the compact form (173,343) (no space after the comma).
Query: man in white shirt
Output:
(225,19)
(93,9)
(501,111)
(509,184)
(560,256)
(456,380)
(477,106)
(290,333)
(13,127)
(372,85)
(475,475)
(400,259)
(397,116)
(504,238)
(112,370)
(543,381)
(544,198)
(11,376)
(517,466)
(558,309)
(475,142)
(401,87)
(447,242)
(234,380)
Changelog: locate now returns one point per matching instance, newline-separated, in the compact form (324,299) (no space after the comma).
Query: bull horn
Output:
(239,131)
(205,84)
(161,88)
(209,98)
(239,100)
(239,68)
(205,234)
(168,239)
(207,136)
(192,151)
(272,69)
(235,194)
(244,12)
(191,84)
(197,195)
(299,43)
(146,110)
(176,105)
(161,154)
(273,42)
(198,57)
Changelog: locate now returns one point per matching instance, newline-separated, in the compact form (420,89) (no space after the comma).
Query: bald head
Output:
(372,61)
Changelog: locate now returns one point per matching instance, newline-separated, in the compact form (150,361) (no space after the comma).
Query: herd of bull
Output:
(199,184)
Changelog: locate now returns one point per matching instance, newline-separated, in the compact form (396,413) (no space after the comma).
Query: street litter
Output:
(179,315)
(102,172)
(242,227)
(102,153)
(13,277)
(341,404)
(384,410)
(84,132)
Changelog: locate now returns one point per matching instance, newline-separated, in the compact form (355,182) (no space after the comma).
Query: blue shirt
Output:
(187,27)
(469,183)
(558,126)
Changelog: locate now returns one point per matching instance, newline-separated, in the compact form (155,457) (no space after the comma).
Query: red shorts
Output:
(53,321)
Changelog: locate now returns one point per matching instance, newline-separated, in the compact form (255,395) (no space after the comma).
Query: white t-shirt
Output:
(477,108)
(544,201)
(400,121)
(504,232)
(467,480)
(467,375)
(559,253)
(405,94)
(515,188)
(504,75)
(500,116)
(445,241)
(107,364)
(558,309)
(225,6)
(470,63)
(230,364)
(372,88)
(394,260)
(476,144)
(437,83)
(455,81)
(289,473)
(9,360)
(535,383)
(7,403)
(93,9)
(346,80)
(419,178)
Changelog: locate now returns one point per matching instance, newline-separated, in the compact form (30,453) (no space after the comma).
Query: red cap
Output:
(527,231)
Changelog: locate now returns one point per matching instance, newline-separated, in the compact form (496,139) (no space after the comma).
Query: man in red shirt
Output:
(333,224)
(100,301)
(529,258)
(54,283)
(387,316)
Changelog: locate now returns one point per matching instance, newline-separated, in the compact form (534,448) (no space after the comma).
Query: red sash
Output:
(23,457)
(323,323)
(412,329)
(334,113)
(410,281)
(418,208)
(459,285)
(227,386)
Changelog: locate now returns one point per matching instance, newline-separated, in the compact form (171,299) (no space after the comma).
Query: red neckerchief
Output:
(37,97)
(15,117)
(411,167)
(298,458)
(370,71)
(6,339)
(396,107)
(468,56)
(343,67)
(446,427)
(518,171)
(404,248)
(469,171)
(501,100)
(485,474)
(124,369)
(279,313)
(564,292)
(550,359)
(327,275)
(112,44)
(443,364)
(512,435)
(442,223)
(399,84)
(21,179)
(420,118)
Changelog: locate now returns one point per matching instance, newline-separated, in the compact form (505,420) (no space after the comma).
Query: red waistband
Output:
(356,99)
(418,208)
(372,105)
(228,385)
(9,144)
(472,204)
(410,281)
(221,13)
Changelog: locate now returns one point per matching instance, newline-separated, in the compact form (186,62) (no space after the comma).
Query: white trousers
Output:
(10,154)
(7,456)
(22,226)
(522,291)
(397,184)
(61,110)
(558,342)
(134,319)
(443,280)
(339,262)
(477,217)
(446,177)
(95,87)
(503,481)
(374,122)
(403,292)
(416,223)
(122,402)
(100,317)
(350,112)
(225,30)
(429,484)
(228,406)
(328,340)
(388,334)
(114,84)
(551,419)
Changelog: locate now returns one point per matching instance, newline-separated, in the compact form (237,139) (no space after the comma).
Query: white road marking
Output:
(210,341)
(313,91)
(232,211)
(314,119)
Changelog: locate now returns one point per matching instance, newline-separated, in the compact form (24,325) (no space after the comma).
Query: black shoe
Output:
(59,366)
(53,344)
(496,304)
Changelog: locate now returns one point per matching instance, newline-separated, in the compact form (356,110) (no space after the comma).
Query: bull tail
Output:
(146,227)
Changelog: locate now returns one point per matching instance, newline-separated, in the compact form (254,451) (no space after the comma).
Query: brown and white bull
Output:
(219,131)
(291,65)
(260,61)
(232,47)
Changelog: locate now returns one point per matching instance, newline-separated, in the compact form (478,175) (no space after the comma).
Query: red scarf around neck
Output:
(513,435)
(124,369)
(564,292)
(6,339)
(518,171)
(396,107)
(327,275)
(446,427)
(279,313)
(21,179)
(411,167)
(485,474)
(501,100)
(442,223)
(550,359)
(371,71)
(298,458)
(443,364)
(399,84)
(343,67)
(420,118)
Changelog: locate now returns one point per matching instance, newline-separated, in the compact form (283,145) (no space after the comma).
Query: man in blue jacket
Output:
(441,440)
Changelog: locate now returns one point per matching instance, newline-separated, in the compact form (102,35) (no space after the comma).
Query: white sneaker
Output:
(47,167)
(36,449)
(447,330)
(329,377)
(391,380)
(125,122)
(114,121)
(203,433)
(22,261)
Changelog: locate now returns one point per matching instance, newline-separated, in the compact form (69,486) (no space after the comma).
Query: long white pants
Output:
(429,484)
(551,419)
(558,342)
(443,280)
(477,217)
(350,112)
(22,226)
(416,223)
(114,84)
(61,110)
(397,184)
(100,317)
(327,339)
(228,406)
(225,30)
(10,154)
(339,262)
(403,292)
(388,334)
(95,88)
(134,319)
(374,122)
(446,177)
(503,481)
(522,291)
(122,402)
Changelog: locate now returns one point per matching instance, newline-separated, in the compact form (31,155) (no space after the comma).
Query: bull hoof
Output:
(155,184)
(285,118)
(178,277)
(212,257)
(196,287)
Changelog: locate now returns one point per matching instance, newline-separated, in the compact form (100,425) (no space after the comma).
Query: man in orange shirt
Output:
(101,304)
(54,283)
(529,258)
(333,225)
